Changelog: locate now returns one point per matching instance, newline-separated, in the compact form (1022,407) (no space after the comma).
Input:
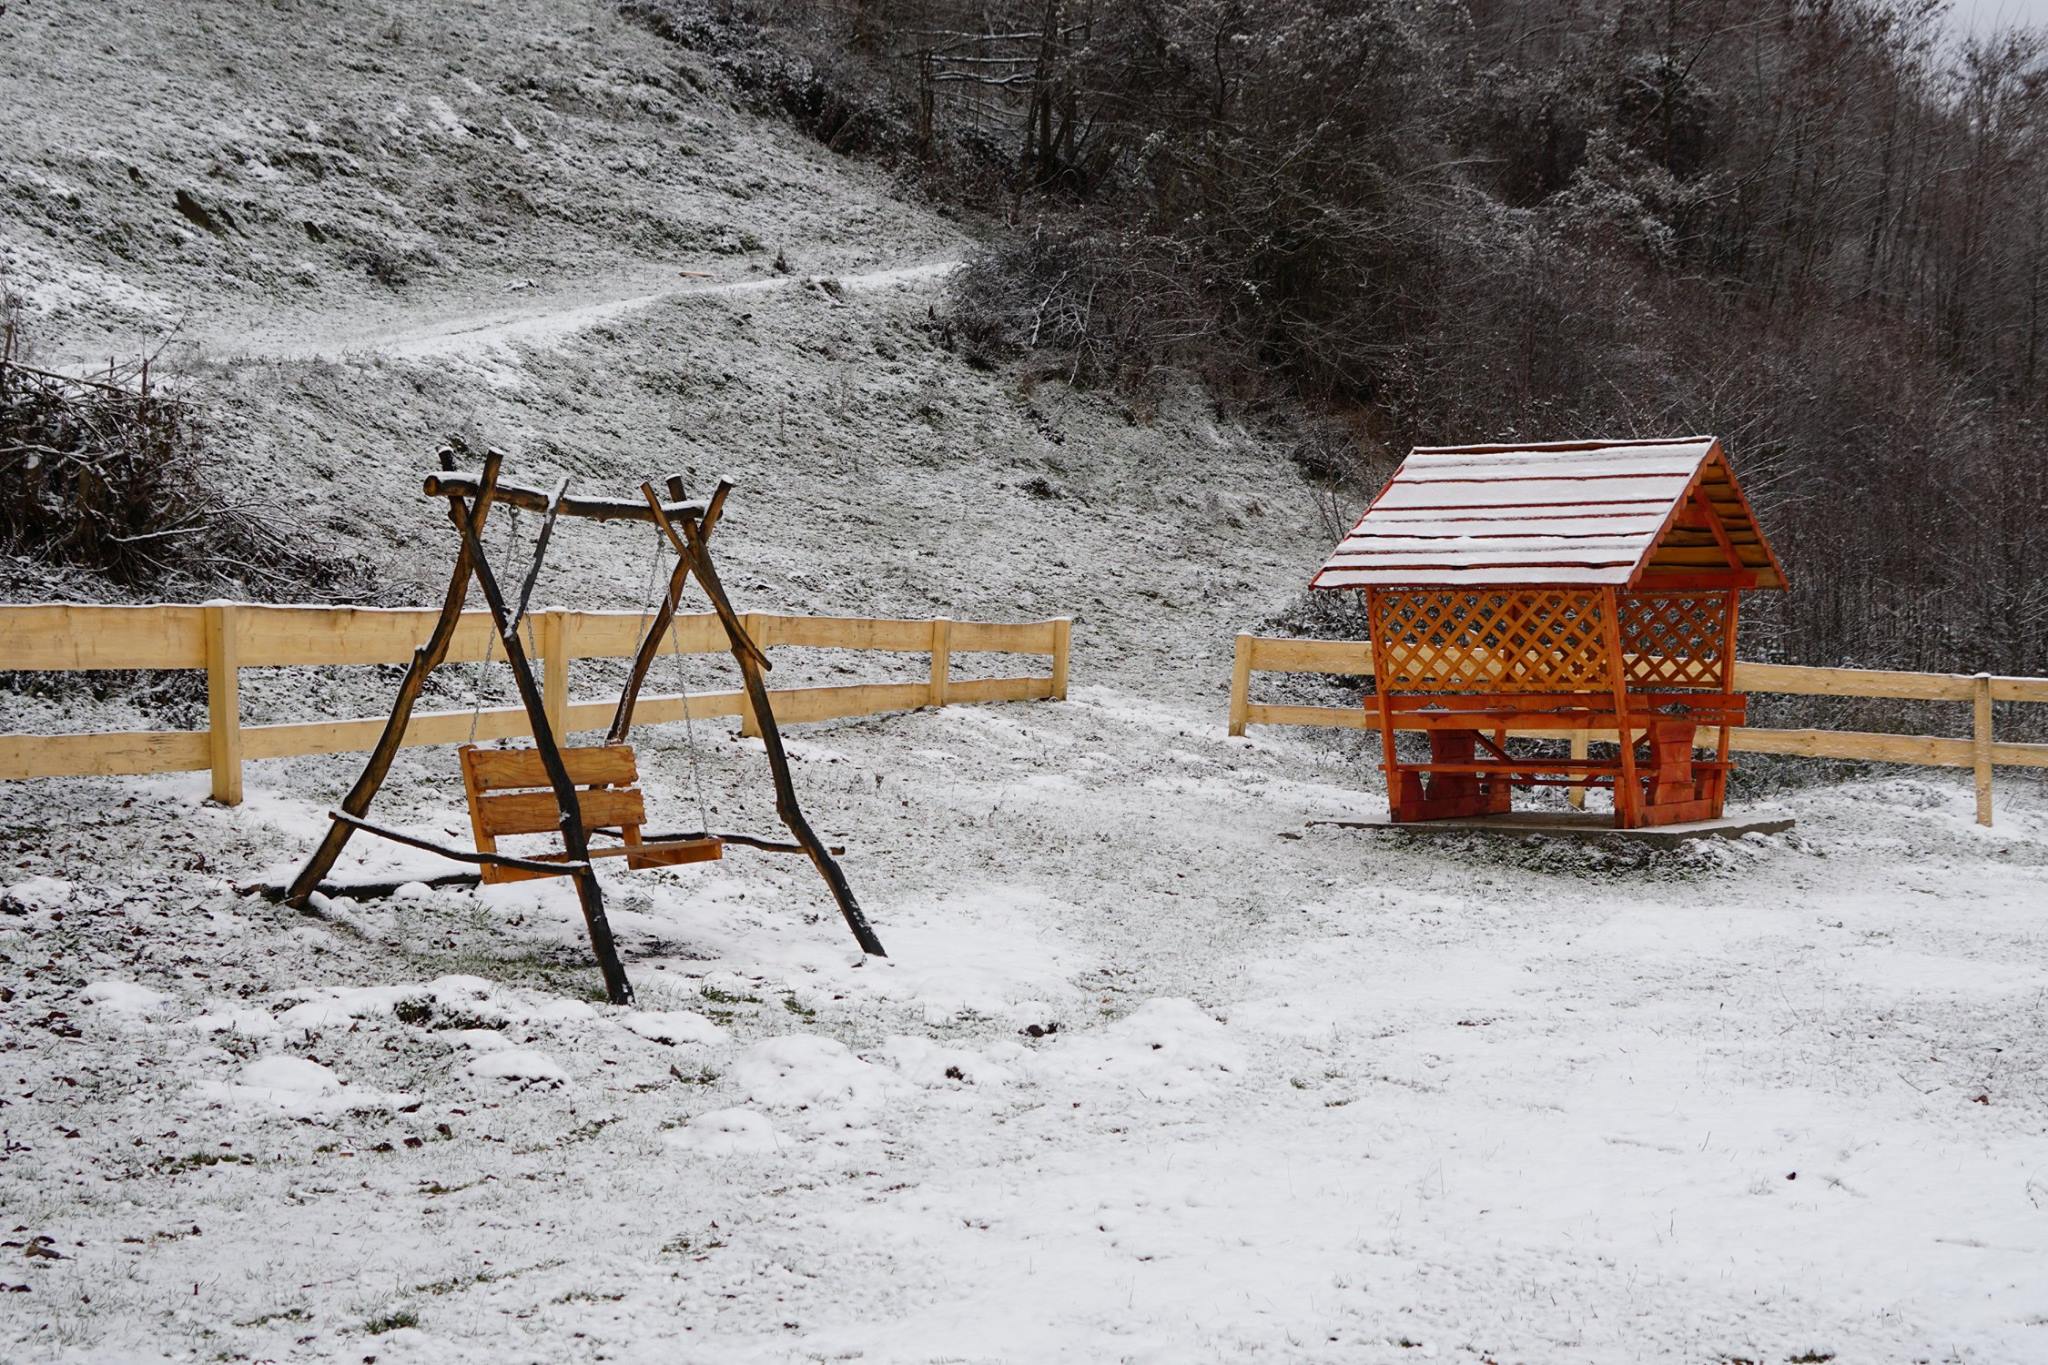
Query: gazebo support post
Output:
(1627,795)
(1728,642)
(1382,699)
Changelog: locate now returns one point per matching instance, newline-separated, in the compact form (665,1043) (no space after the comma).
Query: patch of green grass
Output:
(392,1322)
(798,1007)
(724,997)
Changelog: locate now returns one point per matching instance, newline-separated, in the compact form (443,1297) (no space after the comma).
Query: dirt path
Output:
(546,316)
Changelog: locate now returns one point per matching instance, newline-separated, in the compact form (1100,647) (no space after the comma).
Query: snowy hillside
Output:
(1158,1068)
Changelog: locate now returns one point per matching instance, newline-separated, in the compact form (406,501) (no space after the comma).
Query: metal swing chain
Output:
(483,665)
(682,678)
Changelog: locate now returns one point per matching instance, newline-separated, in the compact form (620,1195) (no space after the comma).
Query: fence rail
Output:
(223,638)
(1980,753)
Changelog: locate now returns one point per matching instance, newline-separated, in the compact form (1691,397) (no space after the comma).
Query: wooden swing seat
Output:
(509,794)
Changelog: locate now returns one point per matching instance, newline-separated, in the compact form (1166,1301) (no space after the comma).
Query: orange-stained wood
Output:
(507,791)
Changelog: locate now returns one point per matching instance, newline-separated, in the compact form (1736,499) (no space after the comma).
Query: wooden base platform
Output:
(1585,826)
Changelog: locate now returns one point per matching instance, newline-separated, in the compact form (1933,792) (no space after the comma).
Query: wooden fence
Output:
(225,637)
(1981,752)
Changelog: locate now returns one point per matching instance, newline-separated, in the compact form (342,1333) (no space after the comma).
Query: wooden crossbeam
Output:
(468,486)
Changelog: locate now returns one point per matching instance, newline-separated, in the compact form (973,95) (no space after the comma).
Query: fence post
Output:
(1581,746)
(1980,755)
(1241,685)
(942,657)
(1062,646)
(554,686)
(224,702)
(750,725)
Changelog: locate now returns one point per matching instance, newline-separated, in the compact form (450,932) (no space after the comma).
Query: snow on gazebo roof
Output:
(1594,513)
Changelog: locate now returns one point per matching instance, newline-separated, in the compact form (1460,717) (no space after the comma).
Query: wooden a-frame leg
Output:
(650,643)
(575,839)
(425,660)
(771,737)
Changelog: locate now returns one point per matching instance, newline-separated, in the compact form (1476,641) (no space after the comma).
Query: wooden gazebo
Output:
(1567,586)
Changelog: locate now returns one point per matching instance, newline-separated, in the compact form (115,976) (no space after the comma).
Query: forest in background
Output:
(1816,228)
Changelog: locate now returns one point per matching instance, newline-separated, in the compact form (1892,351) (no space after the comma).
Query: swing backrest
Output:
(509,793)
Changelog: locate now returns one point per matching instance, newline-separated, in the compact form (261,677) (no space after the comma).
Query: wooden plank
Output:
(797,704)
(998,689)
(608,765)
(2010,755)
(1851,682)
(356,736)
(1919,750)
(1277,654)
(64,638)
(223,704)
(279,637)
(616,634)
(537,812)
(1001,637)
(1869,746)
(123,753)
(465,484)
(1337,717)
(667,706)
(842,632)
(2019,689)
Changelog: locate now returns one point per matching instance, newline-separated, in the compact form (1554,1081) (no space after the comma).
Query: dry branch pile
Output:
(105,474)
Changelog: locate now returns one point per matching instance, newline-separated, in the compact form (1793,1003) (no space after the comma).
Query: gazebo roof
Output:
(1631,514)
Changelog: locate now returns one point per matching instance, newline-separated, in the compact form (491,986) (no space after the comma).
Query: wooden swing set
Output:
(577,792)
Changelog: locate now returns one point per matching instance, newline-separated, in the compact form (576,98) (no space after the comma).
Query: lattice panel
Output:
(1674,639)
(1520,640)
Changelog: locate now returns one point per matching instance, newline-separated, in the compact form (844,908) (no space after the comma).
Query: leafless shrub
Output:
(105,474)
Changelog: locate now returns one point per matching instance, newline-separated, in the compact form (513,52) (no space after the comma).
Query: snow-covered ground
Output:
(1156,1072)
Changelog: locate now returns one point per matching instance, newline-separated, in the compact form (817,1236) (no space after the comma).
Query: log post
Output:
(1062,650)
(575,840)
(1980,744)
(747,656)
(224,703)
(942,658)
(425,660)
(1241,686)
(650,643)
(554,651)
